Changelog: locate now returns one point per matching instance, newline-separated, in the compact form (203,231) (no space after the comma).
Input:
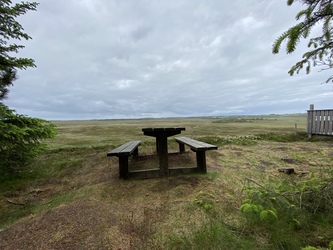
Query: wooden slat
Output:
(309,123)
(330,115)
(155,173)
(162,131)
(320,122)
(326,124)
(143,174)
(313,128)
(197,145)
(316,122)
(125,149)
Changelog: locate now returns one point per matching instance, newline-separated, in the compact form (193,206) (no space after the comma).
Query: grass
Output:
(71,197)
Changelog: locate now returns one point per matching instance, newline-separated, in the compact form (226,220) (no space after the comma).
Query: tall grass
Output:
(186,212)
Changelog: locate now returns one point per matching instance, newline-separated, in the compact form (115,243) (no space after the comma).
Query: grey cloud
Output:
(118,59)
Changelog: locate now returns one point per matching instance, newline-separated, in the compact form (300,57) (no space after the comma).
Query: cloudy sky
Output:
(147,58)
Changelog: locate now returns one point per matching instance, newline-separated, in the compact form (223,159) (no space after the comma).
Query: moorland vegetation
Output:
(71,196)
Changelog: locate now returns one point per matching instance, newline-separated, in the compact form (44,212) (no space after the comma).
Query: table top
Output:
(162,131)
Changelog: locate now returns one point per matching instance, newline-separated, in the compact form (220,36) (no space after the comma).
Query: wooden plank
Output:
(181,148)
(321,127)
(319,122)
(125,149)
(310,123)
(326,122)
(158,131)
(177,171)
(123,167)
(330,122)
(315,123)
(194,144)
(155,173)
(201,161)
(163,155)
(144,174)
(323,122)
(130,148)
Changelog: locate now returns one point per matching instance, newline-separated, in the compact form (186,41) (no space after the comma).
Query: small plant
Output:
(204,200)
(288,206)
(309,248)
(330,247)
(256,212)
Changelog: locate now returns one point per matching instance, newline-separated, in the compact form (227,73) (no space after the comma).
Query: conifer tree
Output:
(320,54)
(20,135)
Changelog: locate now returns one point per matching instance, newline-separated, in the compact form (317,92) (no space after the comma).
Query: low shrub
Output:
(290,210)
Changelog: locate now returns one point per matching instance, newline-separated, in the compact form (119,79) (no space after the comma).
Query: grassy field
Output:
(71,196)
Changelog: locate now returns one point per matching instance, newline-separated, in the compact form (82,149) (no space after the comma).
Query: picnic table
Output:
(128,149)
(161,135)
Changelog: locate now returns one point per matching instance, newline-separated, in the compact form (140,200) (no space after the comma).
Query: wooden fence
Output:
(320,122)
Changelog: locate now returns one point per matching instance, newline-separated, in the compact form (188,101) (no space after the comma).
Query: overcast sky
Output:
(147,58)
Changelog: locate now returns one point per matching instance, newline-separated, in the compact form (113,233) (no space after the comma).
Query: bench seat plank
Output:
(123,152)
(195,145)
(125,149)
(199,148)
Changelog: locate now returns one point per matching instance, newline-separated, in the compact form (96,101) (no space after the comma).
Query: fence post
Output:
(310,120)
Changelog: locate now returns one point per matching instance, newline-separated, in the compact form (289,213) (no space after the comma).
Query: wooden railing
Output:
(320,122)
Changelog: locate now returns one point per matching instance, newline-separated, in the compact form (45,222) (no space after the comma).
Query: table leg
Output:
(162,145)
(157,145)
(123,167)
(201,161)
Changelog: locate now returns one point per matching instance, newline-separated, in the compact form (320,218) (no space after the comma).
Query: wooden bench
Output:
(123,152)
(197,146)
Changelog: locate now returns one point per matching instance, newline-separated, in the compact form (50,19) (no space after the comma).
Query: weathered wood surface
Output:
(155,173)
(319,122)
(197,146)
(161,135)
(165,131)
(123,152)
(194,144)
(128,148)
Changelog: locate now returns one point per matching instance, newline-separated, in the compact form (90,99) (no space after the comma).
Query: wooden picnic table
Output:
(161,135)
(128,149)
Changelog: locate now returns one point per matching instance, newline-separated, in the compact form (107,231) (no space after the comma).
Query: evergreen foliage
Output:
(20,138)
(19,135)
(317,12)
(290,207)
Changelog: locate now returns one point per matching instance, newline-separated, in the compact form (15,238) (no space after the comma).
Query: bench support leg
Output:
(136,152)
(123,167)
(157,146)
(181,147)
(201,161)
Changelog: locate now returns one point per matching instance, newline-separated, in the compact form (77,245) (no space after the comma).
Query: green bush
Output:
(20,138)
(290,210)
